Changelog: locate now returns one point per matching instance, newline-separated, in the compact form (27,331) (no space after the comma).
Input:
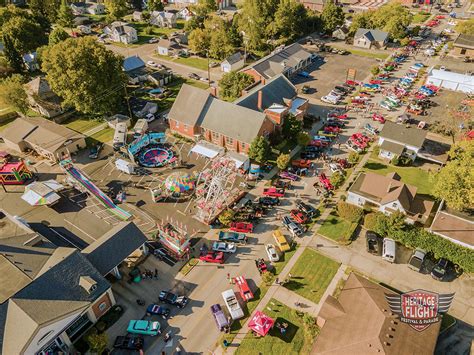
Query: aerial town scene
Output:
(237,177)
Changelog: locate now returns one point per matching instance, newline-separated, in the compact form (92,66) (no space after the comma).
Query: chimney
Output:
(259,102)
(213,90)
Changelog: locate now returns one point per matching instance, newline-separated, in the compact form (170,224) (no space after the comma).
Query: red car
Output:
(378,117)
(373,81)
(432,23)
(274,192)
(325,181)
(301,163)
(213,257)
(338,116)
(318,143)
(244,288)
(298,216)
(332,129)
(440,17)
(241,227)
(352,82)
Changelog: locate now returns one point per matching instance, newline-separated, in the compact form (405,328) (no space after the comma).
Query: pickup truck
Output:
(416,260)
(274,192)
(129,342)
(373,243)
(232,304)
(233,237)
(301,163)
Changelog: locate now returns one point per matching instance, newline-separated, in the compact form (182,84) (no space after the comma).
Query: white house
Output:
(388,194)
(451,80)
(168,47)
(397,139)
(121,32)
(93,8)
(185,13)
(163,19)
(365,38)
(233,63)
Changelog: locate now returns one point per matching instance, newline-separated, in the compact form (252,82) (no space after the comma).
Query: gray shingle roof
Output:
(392,147)
(188,105)
(404,135)
(115,246)
(372,35)
(464,41)
(273,92)
(234,58)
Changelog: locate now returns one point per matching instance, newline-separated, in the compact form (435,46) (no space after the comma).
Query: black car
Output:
(307,209)
(269,201)
(342,88)
(439,270)
(129,342)
(374,243)
(95,150)
(339,124)
(194,76)
(308,155)
(312,149)
(173,299)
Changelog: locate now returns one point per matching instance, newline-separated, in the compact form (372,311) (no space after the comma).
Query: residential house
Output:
(315,5)
(368,39)
(168,47)
(456,226)
(165,19)
(35,320)
(388,194)
(182,3)
(42,99)
(464,45)
(285,60)
(138,72)
(397,140)
(233,63)
(463,82)
(121,32)
(197,114)
(359,321)
(180,37)
(92,8)
(31,61)
(48,139)
(341,33)
(185,13)
(118,118)
(277,98)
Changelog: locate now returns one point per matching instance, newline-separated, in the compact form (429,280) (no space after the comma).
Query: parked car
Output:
(269,201)
(330,99)
(298,216)
(173,299)
(153,40)
(305,208)
(304,74)
(373,243)
(241,227)
(440,269)
(144,327)
(233,237)
(219,317)
(274,192)
(244,289)
(158,310)
(292,227)
(282,184)
(194,76)
(152,64)
(95,150)
(213,257)
(309,154)
(289,176)
(280,241)
(224,247)
(129,342)
(232,304)
(416,260)
(272,253)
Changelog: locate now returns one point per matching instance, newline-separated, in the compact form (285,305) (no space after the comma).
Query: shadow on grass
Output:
(290,333)
(375,166)
(294,285)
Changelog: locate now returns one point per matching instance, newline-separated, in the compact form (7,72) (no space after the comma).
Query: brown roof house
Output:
(388,194)
(199,115)
(458,227)
(464,45)
(47,138)
(359,321)
(396,140)
(42,99)
(168,47)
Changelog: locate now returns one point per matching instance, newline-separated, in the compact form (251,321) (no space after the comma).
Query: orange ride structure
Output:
(14,173)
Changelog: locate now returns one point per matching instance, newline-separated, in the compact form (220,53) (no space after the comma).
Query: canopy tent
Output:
(241,161)
(260,323)
(207,149)
(42,193)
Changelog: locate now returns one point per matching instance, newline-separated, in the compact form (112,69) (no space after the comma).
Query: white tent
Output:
(451,80)
(42,193)
(207,149)
(241,161)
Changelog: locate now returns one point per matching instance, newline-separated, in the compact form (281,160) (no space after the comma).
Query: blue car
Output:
(144,327)
(158,310)
(304,74)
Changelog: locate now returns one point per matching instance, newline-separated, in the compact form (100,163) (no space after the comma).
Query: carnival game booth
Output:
(14,173)
(151,151)
(42,193)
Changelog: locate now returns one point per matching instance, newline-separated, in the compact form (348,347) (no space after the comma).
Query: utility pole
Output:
(208,69)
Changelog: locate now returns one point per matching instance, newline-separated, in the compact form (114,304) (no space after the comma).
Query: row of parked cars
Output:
(337,94)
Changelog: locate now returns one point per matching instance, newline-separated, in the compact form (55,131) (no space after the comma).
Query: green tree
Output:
(193,23)
(116,9)
(12,93)
(57,35)
(361,20)
(393,18)
(232,84)
(205,7)
(387,225)
(65,17)
(260,150)
(199,41)
(45,8)
(290,21)
(332,17)
(97,343)
(97,87)
(465,27)
(303,139)
(220,45)
(349,211)
(455,181)
(353,158)
(25,34)
(291,128)
(12,56)
(227,217)
(282,161)
(155,5)
(371,220)
(337,179)
(375,70)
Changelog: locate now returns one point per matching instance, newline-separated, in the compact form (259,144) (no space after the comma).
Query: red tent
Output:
(260,323)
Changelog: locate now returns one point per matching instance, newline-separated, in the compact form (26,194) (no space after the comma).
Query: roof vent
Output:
(88,284)
(386,343)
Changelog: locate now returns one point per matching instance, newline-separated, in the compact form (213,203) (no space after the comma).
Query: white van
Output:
(140,128)
(120,136)
(232,304)
(388,251)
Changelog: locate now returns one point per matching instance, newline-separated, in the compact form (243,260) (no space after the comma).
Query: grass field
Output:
(420,17)
(82,124)
(337,229)
(296,340)
(367,53)
(410,175)
(104,136)
(143,27)
(194,62)
(311,275)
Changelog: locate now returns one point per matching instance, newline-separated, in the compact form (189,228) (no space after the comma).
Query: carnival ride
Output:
(151,151)
(174,238)
(14,173)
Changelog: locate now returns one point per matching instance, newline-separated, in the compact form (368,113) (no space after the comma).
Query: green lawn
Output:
(420,17)
(297,339)
(312,274)
(104,136)
(337,229)
(410,175)
(367,53)
(82,124)
(195,62)
(143,27)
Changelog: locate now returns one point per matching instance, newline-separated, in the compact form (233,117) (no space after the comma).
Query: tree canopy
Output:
(85,74)
(282,161)
(57,35)
(45,8)
(232,84)
(466,27)
(291,128)
(12,93)
(455,181)
(65,16)
(260,150)
(290,21)
(116,9)
(332,17)
(155,5)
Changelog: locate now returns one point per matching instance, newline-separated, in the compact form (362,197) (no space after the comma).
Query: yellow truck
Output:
(280,241)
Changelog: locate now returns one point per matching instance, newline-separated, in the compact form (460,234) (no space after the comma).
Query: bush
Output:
(267,278)
(371,220)
(375,70)
(395,161)
(303,139)
(282,161)
(349,211)
(226,217)
(404,161)
(148,30)
(337,179)
(353,158)
(97,343)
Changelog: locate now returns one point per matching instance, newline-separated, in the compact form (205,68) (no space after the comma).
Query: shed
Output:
(233,63)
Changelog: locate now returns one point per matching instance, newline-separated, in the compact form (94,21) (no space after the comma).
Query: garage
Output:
(451,80)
